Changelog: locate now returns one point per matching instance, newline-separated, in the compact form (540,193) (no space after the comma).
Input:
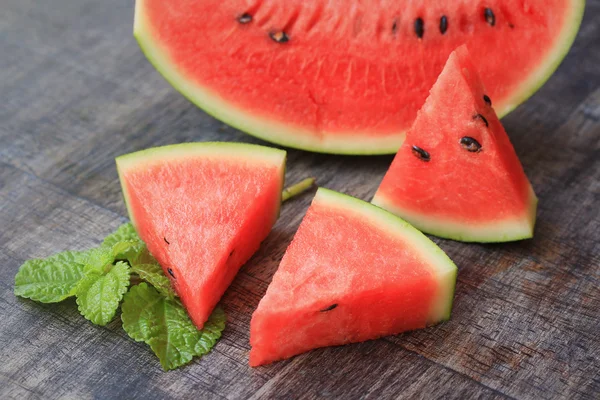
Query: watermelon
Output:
(457,175)
(353,272)
(203,210)
(346,76)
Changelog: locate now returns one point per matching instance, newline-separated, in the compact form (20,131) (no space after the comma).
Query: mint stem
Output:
(296,189)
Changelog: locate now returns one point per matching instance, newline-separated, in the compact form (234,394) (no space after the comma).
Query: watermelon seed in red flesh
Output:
(419,27)
(470,144)
(331,307)
(421,154)
(489,16)
(487,99)
(395,27)
(481,117)
(245,18)
(279,36)
(443,24)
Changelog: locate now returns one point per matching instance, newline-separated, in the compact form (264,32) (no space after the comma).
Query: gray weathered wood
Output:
(75,91)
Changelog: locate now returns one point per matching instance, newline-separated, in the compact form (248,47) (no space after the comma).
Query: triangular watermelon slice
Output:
(203,210)
(457,174)
(353,272)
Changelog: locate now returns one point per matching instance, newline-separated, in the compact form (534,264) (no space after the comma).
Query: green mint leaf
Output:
(99,260)
(140,304)
(163,324)
(143,257)
(127,250)
(52,279)
(99,295)
(124,233)
(125,242)
(154,275)
(211,332)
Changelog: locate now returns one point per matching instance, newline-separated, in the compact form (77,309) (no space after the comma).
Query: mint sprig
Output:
(100,279)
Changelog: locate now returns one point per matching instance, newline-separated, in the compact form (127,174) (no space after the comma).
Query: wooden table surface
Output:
(75,91)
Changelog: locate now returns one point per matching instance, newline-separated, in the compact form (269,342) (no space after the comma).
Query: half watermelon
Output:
(457,174)
(346,76)
(353,272)
(203,209)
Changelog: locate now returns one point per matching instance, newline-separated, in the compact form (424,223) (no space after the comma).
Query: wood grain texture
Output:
(75,91)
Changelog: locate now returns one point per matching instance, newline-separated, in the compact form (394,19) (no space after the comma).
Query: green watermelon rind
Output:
(216,150)
(520,227)
(442,266)
(351,143)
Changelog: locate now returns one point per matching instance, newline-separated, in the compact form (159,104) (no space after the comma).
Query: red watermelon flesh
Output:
(472,187)
(353,272)
(346,76)
(202,209)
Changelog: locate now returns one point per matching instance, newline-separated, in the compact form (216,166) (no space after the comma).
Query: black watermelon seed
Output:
(420,153)
(443,24)
(419,27)
(511,26)
(166,241)
(331,307)
(482,118)
(489,16)
(170,271)
(279,36)
(245,18)
(487,99)
(395,27)
(470,144)
(232,251)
